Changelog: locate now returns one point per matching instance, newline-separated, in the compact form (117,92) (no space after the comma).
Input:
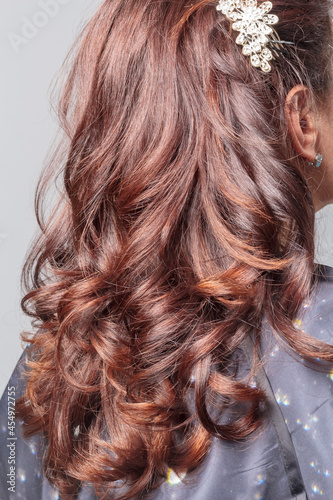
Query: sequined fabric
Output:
(250,471)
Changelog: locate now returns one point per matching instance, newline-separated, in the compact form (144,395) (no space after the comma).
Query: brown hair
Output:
(182,218)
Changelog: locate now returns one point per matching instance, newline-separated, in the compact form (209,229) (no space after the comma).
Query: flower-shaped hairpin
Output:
(255,27)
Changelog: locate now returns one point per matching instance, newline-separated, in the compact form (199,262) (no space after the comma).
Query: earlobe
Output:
(301,122)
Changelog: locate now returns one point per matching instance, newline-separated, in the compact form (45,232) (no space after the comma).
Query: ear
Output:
(301,122)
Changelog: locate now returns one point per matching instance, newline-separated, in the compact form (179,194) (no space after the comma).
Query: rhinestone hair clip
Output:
(255,26)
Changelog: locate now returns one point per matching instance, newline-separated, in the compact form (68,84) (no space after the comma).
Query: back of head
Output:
(184,219)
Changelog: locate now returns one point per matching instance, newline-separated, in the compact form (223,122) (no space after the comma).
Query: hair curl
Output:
(182,218)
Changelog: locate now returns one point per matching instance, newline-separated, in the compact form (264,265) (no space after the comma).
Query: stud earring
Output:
(317,161)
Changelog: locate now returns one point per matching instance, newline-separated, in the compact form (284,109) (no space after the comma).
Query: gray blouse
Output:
(258,469)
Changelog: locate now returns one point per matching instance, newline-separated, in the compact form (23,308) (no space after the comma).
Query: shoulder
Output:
(20,458)
(316,314)
(16,378)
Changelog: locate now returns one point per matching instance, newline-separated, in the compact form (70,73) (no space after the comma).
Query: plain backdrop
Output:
(35,38)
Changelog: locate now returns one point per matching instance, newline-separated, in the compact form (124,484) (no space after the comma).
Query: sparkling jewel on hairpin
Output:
(255,26)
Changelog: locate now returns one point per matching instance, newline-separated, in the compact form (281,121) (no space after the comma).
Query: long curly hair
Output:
(182,216)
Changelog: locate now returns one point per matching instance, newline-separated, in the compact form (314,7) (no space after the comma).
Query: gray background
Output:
(27,130)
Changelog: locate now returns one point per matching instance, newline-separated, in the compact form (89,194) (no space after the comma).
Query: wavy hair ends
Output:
(182,218)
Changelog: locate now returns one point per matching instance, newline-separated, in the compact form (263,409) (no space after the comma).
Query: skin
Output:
(311,133)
